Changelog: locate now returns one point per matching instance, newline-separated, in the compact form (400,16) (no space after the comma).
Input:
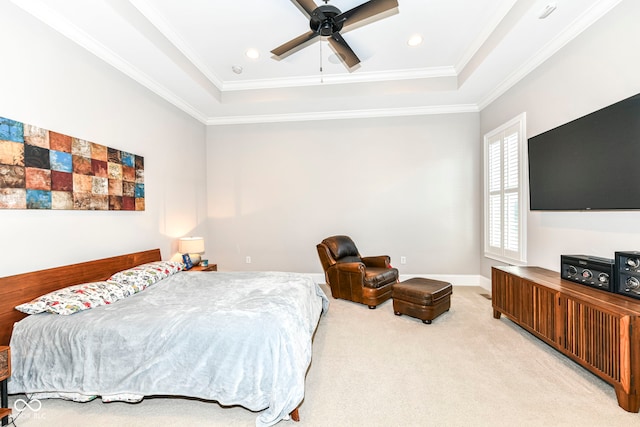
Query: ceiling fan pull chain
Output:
(321,76)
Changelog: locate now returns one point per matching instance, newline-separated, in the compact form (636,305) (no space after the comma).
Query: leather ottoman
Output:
(424,299)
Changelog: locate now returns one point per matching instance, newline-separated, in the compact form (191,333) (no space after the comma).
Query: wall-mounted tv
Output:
(591,163)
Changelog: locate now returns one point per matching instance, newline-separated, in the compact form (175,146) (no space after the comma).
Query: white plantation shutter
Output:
(511,226)
(495,213)
(494,169)
(511,163)
(504,192)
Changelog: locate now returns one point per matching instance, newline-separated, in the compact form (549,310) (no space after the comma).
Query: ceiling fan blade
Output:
(344,51)
(307,5)
(365,10)
(293,44)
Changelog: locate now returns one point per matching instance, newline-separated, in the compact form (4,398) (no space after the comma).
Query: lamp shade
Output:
(191,245)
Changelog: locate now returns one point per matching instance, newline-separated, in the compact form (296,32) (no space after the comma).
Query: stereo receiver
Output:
(628,274)
(589,270)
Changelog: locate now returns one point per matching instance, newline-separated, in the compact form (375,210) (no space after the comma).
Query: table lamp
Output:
(194,246)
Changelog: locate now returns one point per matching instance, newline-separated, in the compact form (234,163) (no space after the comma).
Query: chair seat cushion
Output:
(378,277)
(421,291)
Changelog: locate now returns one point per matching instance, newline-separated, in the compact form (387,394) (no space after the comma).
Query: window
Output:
(504,192)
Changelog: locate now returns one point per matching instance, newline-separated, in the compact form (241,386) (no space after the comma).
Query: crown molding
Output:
(152,15)
(328,79)
(341,115)
(583,22)
(40,10)
(56,21)
(482,38)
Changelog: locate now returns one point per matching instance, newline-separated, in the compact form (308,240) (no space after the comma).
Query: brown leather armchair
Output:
(366,280)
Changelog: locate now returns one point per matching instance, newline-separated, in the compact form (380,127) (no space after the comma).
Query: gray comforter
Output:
(237,338)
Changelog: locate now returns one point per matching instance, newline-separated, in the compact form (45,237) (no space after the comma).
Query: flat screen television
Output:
(591,163)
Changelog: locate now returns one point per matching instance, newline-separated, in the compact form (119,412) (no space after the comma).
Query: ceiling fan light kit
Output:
(327,21)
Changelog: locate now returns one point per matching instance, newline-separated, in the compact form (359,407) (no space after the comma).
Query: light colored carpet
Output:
(371,368)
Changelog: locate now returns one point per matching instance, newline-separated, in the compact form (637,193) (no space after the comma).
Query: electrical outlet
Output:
(403,260)
(247,260)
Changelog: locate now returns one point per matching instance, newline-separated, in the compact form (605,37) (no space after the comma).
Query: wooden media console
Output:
(597,329)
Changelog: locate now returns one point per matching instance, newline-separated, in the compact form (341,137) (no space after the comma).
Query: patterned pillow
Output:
(142,276)
(74,298)
(167,267)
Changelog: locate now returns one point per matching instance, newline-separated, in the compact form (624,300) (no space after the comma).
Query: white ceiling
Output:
(184,51)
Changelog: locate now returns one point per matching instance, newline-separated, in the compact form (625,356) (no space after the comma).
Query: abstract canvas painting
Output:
(42,169)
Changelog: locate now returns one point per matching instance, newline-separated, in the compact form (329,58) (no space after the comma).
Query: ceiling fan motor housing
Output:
(322,20)
(326,21)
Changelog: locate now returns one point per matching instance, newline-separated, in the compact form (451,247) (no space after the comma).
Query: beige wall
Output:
(598,68)
(406,186)
(403,186)
(51,82)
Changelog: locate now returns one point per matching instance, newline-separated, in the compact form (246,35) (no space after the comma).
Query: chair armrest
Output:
(349,267)
(346,280)
(380,261)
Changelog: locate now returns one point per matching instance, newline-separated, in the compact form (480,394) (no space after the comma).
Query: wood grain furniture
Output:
(15,290)
(210,267)
(596,329)
(424,299)
(365,280)
(5,373)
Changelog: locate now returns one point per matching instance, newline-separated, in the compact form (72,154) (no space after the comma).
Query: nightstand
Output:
(210,267)
(5,373)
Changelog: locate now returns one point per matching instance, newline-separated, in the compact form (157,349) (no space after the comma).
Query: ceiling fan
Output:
(328,20)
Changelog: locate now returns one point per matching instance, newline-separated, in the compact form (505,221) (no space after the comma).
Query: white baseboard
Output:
(317,277)
(454,279)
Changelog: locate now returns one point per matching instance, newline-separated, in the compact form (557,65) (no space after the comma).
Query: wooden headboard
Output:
(21,288)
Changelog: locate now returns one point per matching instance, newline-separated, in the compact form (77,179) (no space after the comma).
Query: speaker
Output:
(627,265)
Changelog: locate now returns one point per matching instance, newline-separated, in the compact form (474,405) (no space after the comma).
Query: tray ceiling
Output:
(186,52)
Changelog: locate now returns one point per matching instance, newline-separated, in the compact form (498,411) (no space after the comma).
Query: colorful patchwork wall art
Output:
(42,169)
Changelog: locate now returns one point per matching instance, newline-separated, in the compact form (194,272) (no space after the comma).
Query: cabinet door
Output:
(592,336)
(537,312)
(505,294)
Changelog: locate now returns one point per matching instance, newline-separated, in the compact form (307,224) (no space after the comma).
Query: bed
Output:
(240,338)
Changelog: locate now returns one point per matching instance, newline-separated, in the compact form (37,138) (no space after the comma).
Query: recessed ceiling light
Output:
(252,53)
(415,40)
